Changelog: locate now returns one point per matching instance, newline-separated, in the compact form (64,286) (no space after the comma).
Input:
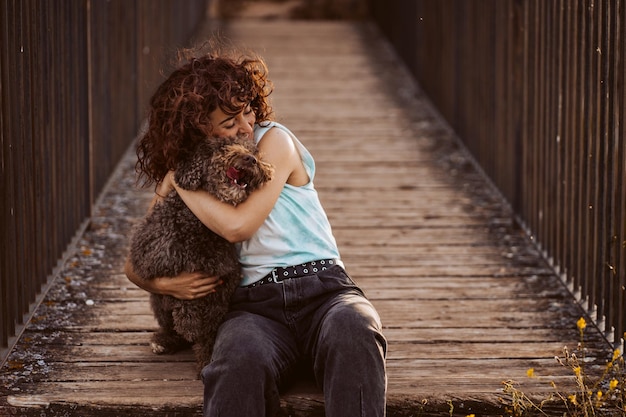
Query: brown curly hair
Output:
(179,109)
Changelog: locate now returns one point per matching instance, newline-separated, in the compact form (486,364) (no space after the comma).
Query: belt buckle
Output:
(275,276)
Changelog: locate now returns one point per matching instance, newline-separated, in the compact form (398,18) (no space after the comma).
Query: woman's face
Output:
(239,125)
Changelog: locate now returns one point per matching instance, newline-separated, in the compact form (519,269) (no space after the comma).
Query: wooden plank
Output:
(418,306)
(406,313)
(397,351)
(188,393)
(405,368)
(385,287)
(421,317)
(423,334)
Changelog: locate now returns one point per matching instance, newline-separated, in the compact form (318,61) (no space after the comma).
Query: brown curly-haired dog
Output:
(171,240)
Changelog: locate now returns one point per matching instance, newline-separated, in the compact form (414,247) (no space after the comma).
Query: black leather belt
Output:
(282,273)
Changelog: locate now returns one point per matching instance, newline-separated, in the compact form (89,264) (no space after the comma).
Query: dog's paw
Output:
(167,343)
(157,348)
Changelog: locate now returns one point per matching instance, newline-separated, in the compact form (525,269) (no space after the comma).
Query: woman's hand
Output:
(186,286)
(166,185)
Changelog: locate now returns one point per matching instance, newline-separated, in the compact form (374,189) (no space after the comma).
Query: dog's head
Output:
(229,169)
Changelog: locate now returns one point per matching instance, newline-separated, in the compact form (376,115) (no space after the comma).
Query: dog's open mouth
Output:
(236,177)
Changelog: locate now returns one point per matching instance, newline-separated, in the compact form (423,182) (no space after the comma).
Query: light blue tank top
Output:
(296,231)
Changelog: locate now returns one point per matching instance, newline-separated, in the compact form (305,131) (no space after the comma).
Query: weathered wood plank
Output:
(416,368)
(435,335)
(397,351)
(189,393)
(492,307)
(405,314)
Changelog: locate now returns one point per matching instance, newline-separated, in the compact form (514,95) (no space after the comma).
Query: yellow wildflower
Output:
(530,372)
(581,323)
(577,371)
(613,384)
(470,415)
(599,395)
(572,399)
(616,354)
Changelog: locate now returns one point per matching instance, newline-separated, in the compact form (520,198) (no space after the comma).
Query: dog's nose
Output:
(249,159)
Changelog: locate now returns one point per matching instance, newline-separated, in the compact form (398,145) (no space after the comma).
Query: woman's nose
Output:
(245,126)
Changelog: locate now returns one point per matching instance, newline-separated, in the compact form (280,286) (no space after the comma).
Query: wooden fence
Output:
(535,90)
(75,77)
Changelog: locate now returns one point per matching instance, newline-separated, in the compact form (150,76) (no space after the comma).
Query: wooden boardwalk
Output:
(466,300)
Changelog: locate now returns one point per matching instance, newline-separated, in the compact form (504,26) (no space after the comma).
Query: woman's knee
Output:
(237,370)
(352,320)
(251,348)
(351,332)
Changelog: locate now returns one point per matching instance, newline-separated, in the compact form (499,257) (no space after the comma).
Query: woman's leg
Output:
(348,354)
(251,358)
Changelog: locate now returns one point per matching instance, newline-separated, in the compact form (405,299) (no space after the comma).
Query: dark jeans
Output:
(323,320)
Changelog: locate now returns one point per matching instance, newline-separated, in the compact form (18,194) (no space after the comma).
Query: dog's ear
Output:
(191,172)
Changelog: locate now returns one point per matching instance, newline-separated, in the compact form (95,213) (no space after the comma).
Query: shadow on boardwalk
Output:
(467,302)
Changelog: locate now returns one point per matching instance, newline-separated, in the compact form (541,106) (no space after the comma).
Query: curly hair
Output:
(179,110)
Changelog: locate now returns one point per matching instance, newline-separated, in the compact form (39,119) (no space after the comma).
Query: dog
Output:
(170,239)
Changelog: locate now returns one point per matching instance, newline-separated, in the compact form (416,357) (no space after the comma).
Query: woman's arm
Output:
(186,286)
(239,223)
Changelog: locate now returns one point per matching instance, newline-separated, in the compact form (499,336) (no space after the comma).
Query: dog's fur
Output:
(171,240)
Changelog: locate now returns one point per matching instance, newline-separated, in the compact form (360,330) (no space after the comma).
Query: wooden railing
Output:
(535,90)
(75,77)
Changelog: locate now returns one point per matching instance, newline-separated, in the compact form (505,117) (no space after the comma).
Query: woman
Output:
(296,305)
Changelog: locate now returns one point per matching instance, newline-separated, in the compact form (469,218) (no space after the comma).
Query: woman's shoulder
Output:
(276,137)
(282,145)
(261,129)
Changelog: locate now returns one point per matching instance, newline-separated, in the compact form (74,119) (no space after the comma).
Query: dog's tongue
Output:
(233,173)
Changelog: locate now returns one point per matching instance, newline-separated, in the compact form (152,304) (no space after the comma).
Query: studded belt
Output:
(283,273)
